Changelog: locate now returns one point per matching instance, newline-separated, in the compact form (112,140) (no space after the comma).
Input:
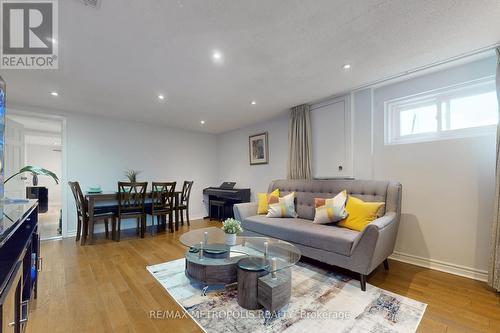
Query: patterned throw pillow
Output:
(285,207)
(361,213)
(330,210)
(264,199)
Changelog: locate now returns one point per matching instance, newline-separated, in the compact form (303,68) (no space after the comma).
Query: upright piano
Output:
(226,195)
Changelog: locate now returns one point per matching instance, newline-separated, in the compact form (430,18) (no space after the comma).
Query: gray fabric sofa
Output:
(359,252)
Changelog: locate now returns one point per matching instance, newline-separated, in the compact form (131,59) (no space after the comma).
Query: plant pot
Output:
(230,239)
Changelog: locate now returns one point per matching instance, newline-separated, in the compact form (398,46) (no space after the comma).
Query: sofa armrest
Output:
(374,228)
(382,222)
(244,210)
(376,242)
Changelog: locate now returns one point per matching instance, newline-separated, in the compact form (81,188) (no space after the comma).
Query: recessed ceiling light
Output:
(161,97)
(202,122)
(346,67)
(253,102)
(217,57)
(54,93)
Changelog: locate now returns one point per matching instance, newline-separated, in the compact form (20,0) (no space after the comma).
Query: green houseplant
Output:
(132,174)
(35,172)
(231,227)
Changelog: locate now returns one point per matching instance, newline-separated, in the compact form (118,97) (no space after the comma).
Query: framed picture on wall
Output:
(258,149)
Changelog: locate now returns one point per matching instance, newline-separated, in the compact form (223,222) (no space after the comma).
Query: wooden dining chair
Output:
(82,215)
(184,202)
(162,203)
(131,205)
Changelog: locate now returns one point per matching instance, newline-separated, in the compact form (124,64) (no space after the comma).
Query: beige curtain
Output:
(299,143)
(494,271)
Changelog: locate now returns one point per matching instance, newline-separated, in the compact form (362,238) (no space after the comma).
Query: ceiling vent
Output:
(91,3)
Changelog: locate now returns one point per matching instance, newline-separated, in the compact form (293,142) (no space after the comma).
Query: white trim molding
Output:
(468,272)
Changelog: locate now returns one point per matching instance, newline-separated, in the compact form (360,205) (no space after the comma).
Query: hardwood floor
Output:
(106,288)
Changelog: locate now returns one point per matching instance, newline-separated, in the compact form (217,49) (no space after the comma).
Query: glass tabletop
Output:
(260,253)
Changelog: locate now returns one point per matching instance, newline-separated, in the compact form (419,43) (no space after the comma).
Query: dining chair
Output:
(131,205)
(82,215)
(184,202)
(162,203)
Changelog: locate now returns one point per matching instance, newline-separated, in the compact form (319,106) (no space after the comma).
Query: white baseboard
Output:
(441,266)
(100,228)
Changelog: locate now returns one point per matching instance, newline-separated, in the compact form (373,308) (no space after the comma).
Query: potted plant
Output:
(35,172)
(231,227)
(132,175)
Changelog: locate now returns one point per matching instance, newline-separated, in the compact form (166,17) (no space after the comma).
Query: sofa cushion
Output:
(307,190)
(301,231)
(264,199)
(285,207)
(360,213)
(330,210)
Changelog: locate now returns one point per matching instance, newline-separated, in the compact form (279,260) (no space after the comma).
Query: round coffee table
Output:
(260,265)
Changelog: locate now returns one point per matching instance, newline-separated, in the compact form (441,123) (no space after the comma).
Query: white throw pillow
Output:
(330,210)
(284,208)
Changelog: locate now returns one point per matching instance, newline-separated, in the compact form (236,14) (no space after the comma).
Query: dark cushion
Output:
(300,231)
(149,209)
(133,213)
(106,209)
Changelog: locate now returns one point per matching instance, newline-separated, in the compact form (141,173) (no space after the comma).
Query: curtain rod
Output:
(412,71)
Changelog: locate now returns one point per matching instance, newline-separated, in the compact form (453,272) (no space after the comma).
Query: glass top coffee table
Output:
(210,261)
(259,265)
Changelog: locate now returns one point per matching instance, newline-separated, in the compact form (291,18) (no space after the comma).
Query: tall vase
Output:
(230,239)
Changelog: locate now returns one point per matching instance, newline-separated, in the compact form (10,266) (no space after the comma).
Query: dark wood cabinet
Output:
(11,304)
(19,264)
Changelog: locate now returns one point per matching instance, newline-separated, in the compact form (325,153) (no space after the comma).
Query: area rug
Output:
(321,302)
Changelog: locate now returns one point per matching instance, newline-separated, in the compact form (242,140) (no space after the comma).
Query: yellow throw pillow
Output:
(264,199)
(361,213)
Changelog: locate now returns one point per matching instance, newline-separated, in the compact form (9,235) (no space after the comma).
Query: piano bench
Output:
(220,204)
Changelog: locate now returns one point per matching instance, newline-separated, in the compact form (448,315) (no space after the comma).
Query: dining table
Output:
(109,199)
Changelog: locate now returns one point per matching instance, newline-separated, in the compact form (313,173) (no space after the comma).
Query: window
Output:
(458,111)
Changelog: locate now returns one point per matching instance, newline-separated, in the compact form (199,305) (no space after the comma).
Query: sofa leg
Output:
(386,264)
(362,280)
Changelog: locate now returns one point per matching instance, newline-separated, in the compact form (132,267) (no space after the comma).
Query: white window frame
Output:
(393,108)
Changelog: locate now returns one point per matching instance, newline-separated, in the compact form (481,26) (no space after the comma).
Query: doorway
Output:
(36,141)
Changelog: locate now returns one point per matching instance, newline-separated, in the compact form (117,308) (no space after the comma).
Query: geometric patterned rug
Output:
(321,302)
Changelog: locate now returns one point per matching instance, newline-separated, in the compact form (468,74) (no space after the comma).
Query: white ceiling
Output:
(116,59)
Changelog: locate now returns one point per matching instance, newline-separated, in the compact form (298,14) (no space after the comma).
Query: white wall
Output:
(100,149)
(45,157)
(234,164)
(233,158)
(447,185)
